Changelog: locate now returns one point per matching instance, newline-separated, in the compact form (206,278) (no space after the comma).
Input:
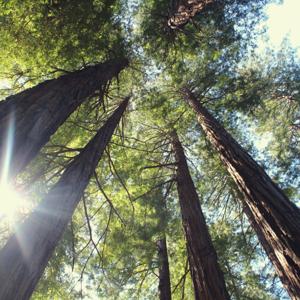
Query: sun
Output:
(11,203)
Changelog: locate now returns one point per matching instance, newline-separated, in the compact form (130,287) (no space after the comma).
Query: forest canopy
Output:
(143,144)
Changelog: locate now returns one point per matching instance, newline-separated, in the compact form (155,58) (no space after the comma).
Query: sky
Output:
(284,19)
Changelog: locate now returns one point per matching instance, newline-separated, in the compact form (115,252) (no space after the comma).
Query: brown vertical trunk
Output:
(164,285)
(28,119)
(185,10)
(26,254)
(206,274)
(275,219)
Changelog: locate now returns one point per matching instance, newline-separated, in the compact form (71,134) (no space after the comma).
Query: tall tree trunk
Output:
(26,254)
(185,10)
(206,274)
(275,219)
(164,285)
(28,119)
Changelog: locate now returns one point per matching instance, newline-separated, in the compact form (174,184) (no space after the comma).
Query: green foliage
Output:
(222,24)
(109,250)
(39,37)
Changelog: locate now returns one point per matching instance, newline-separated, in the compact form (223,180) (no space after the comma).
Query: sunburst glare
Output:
(11,203)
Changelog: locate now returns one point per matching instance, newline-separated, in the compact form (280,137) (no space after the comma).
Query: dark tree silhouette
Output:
(26,254)
(28,119)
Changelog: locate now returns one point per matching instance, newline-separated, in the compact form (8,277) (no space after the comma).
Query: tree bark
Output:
(206,274)
(275,219)
(164,285)
(28,119)
(185,10)
(27,252)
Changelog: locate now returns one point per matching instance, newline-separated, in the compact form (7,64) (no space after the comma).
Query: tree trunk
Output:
(164,286)
(206,274)
(185,10)
(28,119)
(275,219)
(26,254)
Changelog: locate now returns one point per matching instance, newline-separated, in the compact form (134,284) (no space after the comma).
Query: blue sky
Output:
(284,19)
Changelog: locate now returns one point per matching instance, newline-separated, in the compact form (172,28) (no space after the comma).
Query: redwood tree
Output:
(27,252)
(28,119)
(185,10)
(274,217)
(206,274)
(164,285)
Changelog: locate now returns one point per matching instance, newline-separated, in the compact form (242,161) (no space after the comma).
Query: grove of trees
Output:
(156,152)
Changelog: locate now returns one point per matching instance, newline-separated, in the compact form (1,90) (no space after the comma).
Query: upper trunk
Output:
(28,119)
(164,272)
(26,254)
(206,274)
(275,219)
(185,10)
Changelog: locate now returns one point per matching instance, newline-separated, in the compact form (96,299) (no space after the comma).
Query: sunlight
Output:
(11,203)
(284,20)
(282,23)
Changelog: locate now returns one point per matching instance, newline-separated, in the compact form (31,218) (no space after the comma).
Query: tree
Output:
(28,119)
(25,255)
(206,274)
(274,218)
(185,10)
(109,249)
(164,285)
(221,26)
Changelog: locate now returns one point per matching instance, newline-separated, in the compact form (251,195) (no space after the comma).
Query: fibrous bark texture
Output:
(275,219)
(185,10)
(206,274)
(26,254)
(28,119)
(164,286)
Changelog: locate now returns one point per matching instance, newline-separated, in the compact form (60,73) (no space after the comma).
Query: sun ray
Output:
(11,202)
(8,146)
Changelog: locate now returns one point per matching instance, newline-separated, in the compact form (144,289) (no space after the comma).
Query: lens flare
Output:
(11,203)
(7,149)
